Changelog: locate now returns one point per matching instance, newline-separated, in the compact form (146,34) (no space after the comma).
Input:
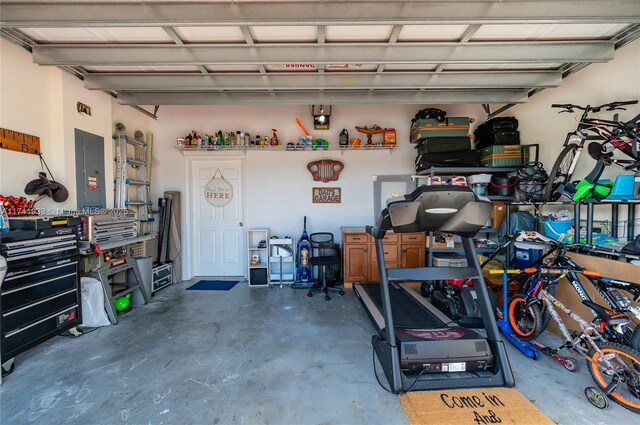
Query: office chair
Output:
(323,255)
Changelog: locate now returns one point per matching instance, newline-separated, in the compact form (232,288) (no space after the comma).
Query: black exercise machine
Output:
(415,338)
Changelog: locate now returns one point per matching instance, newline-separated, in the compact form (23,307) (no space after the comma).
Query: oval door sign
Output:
(218,192)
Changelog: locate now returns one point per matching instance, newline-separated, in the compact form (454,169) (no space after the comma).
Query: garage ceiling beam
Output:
(149,13)
(407,97)
(328,81)
(363,53)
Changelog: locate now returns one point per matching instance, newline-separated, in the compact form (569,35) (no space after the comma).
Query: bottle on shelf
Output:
(344,138)
(239,138)
(4,220)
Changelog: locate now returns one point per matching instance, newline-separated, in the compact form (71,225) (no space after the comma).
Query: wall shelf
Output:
(283,148)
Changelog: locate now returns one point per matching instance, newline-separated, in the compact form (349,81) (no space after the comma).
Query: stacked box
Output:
(504,156)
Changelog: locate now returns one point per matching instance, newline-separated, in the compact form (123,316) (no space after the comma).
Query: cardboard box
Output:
(442,240)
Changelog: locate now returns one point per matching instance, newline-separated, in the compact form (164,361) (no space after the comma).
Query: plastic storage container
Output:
(527,253)
(449,259)
(556,229)
(622,188)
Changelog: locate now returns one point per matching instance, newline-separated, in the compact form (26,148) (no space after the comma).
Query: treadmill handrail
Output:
(432,273)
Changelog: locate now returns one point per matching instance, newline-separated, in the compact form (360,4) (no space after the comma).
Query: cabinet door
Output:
(374,275)
(356,263)
(412,256)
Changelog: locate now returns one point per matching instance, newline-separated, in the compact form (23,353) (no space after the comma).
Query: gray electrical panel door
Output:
(90,170)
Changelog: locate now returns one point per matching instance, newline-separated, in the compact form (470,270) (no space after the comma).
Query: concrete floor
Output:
(246,356)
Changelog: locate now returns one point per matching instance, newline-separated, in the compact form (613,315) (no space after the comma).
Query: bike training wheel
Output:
(625,360)
(570,364)
(524,320)
(545,315)
(560,171)
(596,397)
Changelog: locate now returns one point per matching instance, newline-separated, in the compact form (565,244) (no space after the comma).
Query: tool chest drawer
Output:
(37,291)
(21,339)
(29,276)
(37,310)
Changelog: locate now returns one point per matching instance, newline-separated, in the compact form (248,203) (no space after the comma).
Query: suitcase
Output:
(431,127)
(469,158)
(497,131)
(504,156)
(444,144)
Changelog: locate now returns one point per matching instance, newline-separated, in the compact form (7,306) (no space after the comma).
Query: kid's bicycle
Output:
(614,367)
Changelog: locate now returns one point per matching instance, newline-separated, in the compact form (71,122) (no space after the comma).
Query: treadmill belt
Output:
(407,312)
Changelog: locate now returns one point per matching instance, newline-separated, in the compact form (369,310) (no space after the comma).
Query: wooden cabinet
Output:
(360,263)
(356,262)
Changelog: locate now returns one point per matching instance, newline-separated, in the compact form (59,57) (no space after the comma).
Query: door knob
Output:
(240,224)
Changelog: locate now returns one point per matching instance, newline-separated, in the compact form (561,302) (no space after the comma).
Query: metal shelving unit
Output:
(282,266)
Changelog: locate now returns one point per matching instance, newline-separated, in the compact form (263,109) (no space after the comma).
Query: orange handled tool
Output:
(304,130)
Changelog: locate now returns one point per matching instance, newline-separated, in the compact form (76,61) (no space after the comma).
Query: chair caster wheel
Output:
(327,297)
(341,292)
(309,294)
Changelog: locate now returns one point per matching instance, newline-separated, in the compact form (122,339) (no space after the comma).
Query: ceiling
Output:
(329,52)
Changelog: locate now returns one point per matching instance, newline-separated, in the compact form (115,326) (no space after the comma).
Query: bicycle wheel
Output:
(625,361)
(524,320)
(560,170)
(545,315)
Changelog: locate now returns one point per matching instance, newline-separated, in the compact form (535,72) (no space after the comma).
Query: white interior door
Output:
(218,232)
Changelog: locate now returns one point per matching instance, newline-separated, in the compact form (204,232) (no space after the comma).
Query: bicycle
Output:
(573,145)
(607,287)
(614,367)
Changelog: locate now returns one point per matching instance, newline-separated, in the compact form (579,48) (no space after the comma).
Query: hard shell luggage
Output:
(451,127)
(469,158)
(497,131)
(443,144)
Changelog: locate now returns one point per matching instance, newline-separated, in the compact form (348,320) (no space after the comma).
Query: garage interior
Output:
(210,126)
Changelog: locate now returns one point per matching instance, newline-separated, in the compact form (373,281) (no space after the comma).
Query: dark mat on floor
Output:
(213,285)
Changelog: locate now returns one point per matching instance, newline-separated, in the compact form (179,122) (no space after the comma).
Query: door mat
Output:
(476,406)
(213,285)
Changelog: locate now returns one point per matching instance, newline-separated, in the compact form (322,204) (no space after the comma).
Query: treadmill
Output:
(418,346)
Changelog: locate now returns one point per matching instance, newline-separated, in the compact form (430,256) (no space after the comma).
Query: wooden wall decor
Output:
(325,170)
(327,195)
(19,142)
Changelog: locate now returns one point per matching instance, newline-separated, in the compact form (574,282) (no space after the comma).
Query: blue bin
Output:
(527,253)
(622,188)
(555,229)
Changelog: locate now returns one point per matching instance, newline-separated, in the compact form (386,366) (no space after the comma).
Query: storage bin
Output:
(504,156)
(258,276)
(527,253)
(449,259)
(622,188)
(556,229)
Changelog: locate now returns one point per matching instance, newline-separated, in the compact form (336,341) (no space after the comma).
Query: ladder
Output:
(133,175)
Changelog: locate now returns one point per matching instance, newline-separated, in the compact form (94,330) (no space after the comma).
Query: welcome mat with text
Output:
(478,406)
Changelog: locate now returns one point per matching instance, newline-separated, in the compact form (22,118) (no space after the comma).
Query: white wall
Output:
(278,183)
(42,101)
(618,79)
